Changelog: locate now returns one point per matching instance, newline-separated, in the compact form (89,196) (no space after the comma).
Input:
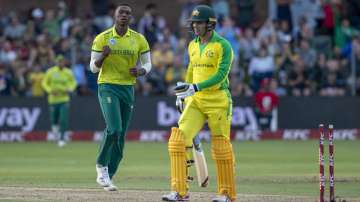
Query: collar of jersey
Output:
(212,39)
(115,34)
(57,68)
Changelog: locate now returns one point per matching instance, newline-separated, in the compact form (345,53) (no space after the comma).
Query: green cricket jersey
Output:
(210,63)
(125,51)
(60,81)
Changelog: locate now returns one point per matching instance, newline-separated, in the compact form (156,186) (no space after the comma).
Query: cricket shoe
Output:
(221,198)
(103,178)
(111,187)
(174,196)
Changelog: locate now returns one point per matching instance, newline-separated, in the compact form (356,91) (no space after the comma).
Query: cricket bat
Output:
(201,167)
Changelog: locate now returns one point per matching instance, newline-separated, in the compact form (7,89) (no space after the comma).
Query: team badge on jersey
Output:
(209,54)
(112,41)
(195,13)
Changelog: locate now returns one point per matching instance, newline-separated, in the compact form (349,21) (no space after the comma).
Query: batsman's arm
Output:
(189,74)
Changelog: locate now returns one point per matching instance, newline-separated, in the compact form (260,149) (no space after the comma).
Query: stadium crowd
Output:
(305,47)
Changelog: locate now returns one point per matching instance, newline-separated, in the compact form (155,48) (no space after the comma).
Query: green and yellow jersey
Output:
(125,51)
(209,63)
(60,81)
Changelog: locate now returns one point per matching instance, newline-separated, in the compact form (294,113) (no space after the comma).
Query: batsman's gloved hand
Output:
(180,104)
(197,143)
(185,89)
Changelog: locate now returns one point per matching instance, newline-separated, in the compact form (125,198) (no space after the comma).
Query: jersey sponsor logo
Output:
(112,41)
(203,65)
(123,52)
(108,99)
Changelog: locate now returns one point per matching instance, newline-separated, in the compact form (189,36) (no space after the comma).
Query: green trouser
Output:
(59,115)
(116,102)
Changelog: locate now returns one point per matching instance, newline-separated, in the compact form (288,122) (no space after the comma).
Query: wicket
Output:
(331,162)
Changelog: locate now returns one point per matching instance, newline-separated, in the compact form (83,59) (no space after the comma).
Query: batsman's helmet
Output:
(203,13)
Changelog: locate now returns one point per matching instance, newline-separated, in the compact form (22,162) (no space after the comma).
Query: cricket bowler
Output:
(115,53)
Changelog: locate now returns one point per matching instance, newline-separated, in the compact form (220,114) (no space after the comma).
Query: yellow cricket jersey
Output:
(60,81)
(36,79)
(125,51)
(210,63)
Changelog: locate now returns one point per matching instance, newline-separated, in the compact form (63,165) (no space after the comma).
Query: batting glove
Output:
(184,90)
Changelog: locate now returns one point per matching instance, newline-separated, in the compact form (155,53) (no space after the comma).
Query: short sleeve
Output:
(97,45)
(144,45)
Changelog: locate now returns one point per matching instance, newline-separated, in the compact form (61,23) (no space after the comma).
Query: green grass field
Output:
(265,167)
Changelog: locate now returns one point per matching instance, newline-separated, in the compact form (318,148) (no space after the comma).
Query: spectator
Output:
(231,33)
(265,101)
(245,12)
(307,11)
(261,67)
(344,35)
(51,25)
(6,82)
(249,44)
(175,73)
(316,74)
(299,84)
(285,62)
(15,29)
(34,79)
(147,24)
(284,12)
(7,53)
(169,38)
(42,53)
(306,54)
(239,88)
(332,87)
(303,31)
(221,8)
(284,33)
(335,83)
(266,30)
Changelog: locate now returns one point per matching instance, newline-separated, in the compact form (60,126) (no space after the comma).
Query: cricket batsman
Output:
(207,98)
